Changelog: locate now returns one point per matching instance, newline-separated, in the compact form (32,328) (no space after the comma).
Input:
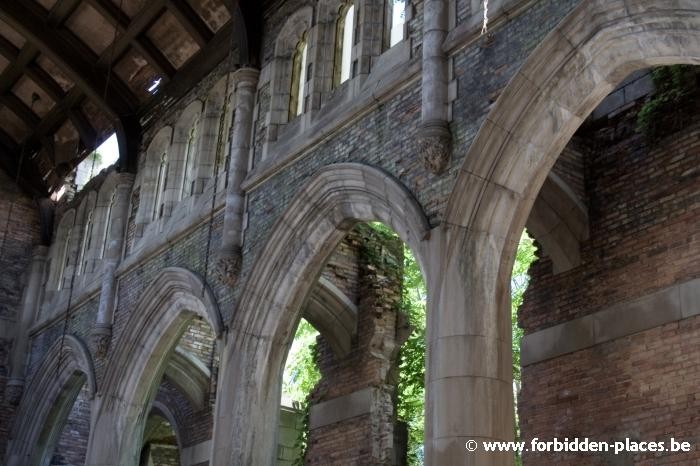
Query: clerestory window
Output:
(86,244)
(299,75)
(161,185)
(395,15)
(344,40)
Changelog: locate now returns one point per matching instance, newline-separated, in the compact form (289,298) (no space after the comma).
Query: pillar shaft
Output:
(112,255)
(246,80)
(469,394)
(434,77)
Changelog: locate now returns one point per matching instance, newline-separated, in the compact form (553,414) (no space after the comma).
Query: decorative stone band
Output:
(671,304)
(342,408)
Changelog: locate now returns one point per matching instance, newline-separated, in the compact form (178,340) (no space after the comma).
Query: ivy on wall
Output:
(670,106)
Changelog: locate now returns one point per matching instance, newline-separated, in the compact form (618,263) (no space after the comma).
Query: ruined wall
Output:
(362,383)
(639,265)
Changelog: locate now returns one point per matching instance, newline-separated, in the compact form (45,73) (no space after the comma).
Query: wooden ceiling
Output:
(72,72)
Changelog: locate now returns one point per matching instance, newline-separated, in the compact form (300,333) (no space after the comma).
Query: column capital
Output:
(246,76)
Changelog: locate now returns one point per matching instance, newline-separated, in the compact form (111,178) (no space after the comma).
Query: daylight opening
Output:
(105,155)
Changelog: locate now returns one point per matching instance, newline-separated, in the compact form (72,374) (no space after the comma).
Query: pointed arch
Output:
(134,370)
(579,62)
(48,399)
(334,200)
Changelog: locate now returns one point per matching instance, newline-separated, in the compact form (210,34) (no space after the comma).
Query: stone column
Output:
(101,333)
(229,263)
(30,307)
(434,137)
(469,392)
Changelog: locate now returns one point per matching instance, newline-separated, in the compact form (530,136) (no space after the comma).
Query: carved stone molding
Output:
(228,266)
(435,146)
(101,337)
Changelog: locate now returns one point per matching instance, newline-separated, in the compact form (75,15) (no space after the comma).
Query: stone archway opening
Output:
(335,200)
(167,363)
(632,172)
(581,61)
(160,443)
(356,365)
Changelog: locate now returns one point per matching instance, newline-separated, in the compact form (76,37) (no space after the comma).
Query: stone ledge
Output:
(668,305)
(341,408)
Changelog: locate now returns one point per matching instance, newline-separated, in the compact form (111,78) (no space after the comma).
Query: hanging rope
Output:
(83,232)
(222,126)
(220,142)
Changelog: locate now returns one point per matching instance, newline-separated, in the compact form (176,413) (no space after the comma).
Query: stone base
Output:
(435,146)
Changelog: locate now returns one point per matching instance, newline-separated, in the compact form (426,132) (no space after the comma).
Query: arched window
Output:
(344,35)
(395,14)
(188,178)
(63,260)
(86,243)
(296,100)
(108,225)
(161,185)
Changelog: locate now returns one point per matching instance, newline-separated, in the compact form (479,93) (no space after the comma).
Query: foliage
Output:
(666,109)
(300,376)
(411,386)
(524,257)
(301,371)
(302,442)
(519,281)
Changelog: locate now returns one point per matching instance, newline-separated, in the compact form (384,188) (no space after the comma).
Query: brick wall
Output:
(71,447)
(644,208)
(19,231)
(644,215)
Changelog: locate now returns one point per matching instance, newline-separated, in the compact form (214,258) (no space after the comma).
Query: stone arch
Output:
(47,401)
(333,314)
(166,413)
(559,222)
(564,79)
(167,306)
(333,201)
(577,64)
